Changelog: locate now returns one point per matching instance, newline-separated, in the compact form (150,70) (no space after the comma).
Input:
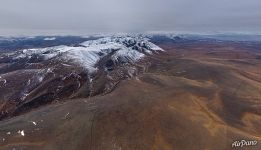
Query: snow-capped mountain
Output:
(88,54)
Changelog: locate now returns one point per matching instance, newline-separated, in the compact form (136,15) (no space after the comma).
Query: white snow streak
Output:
(49,39)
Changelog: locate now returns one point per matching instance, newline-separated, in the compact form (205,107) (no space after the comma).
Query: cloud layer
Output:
(38,17)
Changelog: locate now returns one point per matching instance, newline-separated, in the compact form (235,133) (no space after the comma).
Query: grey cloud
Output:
(96,16)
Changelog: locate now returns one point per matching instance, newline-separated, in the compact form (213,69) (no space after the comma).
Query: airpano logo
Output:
(243,143)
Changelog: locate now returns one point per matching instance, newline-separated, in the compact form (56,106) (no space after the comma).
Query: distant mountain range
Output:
(13,43)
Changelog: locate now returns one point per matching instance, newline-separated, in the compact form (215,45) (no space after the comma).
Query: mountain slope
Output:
(44,75)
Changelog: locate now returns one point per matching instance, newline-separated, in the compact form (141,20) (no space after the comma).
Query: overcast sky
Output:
(83,17)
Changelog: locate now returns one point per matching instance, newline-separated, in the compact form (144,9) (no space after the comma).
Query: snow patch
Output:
(3,80)
(21,132)
(49,38)
(127,55)
(33,122)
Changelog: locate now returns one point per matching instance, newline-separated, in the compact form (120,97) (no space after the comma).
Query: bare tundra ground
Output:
(197,96)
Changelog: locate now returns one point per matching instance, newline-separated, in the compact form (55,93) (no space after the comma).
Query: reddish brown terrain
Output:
(200,95)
